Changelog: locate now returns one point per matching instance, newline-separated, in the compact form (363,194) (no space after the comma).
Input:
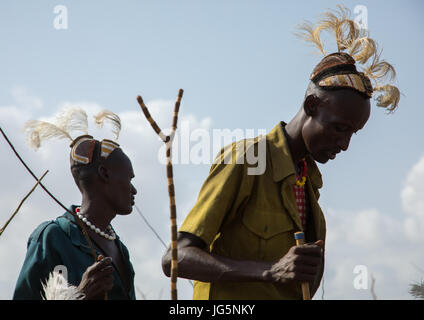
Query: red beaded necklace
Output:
(301,180)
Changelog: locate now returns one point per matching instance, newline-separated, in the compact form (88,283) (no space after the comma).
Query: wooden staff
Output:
(300,239)
(171,190)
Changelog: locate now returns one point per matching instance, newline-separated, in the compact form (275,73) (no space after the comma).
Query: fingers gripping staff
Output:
(173,210)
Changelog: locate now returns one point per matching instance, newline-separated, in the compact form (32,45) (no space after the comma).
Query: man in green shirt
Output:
(238,240)
(103,174)
(59,244)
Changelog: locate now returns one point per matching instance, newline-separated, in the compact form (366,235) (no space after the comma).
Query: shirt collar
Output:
(281,159)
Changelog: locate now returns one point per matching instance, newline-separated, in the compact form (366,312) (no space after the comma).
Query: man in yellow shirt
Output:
(238,240)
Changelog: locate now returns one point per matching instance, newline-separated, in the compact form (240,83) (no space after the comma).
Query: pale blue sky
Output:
(237,61)
(239,64)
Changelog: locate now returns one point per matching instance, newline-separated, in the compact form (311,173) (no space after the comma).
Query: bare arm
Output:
(195,263)
(301,263)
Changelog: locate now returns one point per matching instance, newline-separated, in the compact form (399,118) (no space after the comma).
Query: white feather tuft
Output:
(38,130)
(69,120)
(112,117)
(73,119)
(57,288)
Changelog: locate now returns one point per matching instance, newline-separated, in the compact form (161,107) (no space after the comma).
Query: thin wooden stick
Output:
(78,221)
(150,119)
(374,296)
(155,232)
(150,226)
(171,189)
(300,239)
(21,203)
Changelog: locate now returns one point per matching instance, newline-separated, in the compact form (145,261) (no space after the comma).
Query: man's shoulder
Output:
(245,144)
(242,151)
(49,229)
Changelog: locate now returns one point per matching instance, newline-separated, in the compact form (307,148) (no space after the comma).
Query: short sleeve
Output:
(219,194)
(41,258)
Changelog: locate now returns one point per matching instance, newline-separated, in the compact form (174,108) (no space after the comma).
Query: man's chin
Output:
(320,158)
(125,212)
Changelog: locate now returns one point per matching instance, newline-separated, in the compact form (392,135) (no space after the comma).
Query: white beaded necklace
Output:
(111,236)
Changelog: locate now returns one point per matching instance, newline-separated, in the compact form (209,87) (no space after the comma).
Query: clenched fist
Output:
(97,279)
(301,263)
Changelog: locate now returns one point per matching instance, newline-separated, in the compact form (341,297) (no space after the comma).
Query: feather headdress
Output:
(353,46)
(70,120)
(58,288)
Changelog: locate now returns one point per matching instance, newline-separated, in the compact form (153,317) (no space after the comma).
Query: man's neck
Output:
(96,212)
(293,134)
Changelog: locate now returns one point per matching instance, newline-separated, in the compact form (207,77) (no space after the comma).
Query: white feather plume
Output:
(38,130)
(73,119)
(112,117)
(57,288)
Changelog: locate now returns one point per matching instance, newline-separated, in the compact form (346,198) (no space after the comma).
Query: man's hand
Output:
(301,263)
(97,279)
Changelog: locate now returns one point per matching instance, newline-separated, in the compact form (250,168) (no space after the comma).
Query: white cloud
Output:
(364,238)
(386,245)
(413,203)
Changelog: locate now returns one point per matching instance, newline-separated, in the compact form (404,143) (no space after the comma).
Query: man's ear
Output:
(310,105)
(103,173)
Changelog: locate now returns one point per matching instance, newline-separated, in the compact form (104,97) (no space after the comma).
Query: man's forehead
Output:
(120,159)
(126,161)
(347,108)
(129,165)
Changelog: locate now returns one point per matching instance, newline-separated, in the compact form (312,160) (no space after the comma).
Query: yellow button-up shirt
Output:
(254,217)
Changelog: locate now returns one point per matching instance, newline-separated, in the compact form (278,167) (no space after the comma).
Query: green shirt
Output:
(254,217)
(60,242)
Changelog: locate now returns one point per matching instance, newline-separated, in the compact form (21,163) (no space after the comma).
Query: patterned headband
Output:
(338,70)
(82,149)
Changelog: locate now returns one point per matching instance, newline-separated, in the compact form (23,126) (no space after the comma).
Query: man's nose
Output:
(133,190)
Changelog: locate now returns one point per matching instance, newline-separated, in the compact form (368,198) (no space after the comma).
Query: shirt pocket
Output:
(267,223)
(268,233)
